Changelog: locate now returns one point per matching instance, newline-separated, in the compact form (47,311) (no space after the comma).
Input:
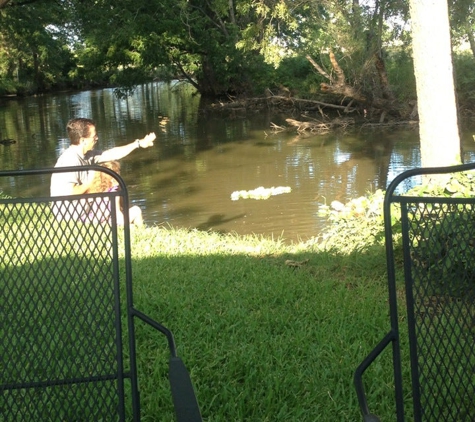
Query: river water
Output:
(201,158)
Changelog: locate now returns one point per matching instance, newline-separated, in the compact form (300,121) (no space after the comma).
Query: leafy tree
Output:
(34,51)
(463,22)
(350,46)
(186,39)
(226,46)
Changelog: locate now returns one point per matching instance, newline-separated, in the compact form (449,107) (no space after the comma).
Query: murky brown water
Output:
(199,160)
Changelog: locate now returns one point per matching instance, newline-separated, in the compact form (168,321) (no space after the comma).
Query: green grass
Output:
(263,341)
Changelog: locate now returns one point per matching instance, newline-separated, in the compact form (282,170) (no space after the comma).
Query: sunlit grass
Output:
(263,341)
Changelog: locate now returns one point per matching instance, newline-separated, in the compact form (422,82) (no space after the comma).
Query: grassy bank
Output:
(265,339)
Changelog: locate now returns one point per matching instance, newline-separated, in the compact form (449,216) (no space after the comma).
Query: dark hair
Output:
(79,128)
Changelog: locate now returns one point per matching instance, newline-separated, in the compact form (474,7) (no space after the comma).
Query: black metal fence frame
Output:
(186,406)
(393,336)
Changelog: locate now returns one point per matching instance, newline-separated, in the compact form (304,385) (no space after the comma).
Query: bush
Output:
(465,79)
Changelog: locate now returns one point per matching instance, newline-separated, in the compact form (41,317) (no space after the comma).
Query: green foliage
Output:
(454,186)
(355,226)
(400,70)
(465,79)
(298,76)
(34,47)
(7,86)
(219,48)
(238,48)
(358,226)
(440,249)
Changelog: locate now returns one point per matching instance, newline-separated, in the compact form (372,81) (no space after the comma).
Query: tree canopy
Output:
(351,53)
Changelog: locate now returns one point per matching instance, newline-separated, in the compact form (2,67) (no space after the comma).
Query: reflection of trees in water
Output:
(355,163)
(375,158)
(347,165)
(372,156)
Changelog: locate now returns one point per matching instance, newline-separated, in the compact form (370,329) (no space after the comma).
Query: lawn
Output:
(268,331)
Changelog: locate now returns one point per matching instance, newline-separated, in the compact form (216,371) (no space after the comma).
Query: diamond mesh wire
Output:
(441,303)
(58,348)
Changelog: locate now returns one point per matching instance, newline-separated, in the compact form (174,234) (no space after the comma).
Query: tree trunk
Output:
(471,40)
(438,125)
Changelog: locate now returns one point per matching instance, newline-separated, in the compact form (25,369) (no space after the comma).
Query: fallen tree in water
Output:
(277,102)
(341,99)
(316,126)
(316,116)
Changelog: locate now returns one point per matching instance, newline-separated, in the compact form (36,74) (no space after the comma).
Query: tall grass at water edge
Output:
(268,331)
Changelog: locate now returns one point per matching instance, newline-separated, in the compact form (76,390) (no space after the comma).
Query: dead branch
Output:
(279,101)
(319,127)
(319,68)
(338,87)
(276,128)
(338,70)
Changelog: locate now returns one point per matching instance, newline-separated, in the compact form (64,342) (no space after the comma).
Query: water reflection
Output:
(201,158)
